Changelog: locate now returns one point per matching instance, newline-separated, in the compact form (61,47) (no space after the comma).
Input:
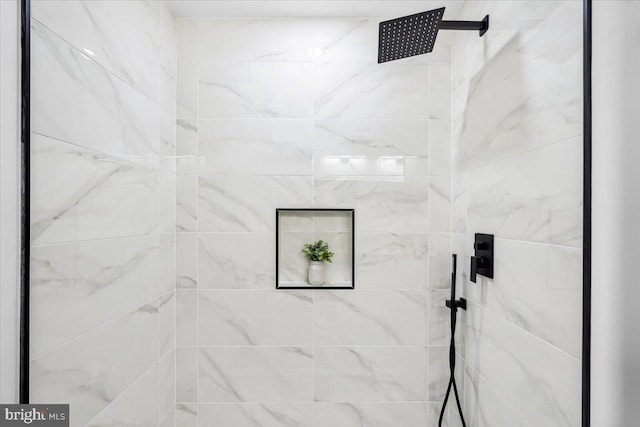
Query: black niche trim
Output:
(353,248)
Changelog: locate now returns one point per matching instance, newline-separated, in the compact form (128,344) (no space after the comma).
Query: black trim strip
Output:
(586,220)
(25,251)
(353,242)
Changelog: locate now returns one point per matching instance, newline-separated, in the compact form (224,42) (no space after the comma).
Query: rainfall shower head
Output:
(416,34)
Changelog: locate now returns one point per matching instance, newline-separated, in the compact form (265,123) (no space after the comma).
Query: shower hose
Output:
(452,349)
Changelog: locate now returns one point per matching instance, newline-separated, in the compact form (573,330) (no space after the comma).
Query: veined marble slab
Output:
(80,102)
(255,317)
(77,287)
(255,374)
(122,36)
(91,371)
(80,194)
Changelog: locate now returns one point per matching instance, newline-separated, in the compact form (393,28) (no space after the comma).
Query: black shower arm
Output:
(481,26)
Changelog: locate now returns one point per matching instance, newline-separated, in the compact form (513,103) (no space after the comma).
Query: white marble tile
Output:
(136,407)
(442,50)
(340,271)
(368,147)
(166,202)
(382,203)
(187,146)
(78,101)
(167,145)
(187,137)
(291,40)
(168,92)
(395,90)
(252,374)
(438,373)
(462,246)
(167,280)
(440,204)
(256,40)
(255,414)
(186,260)
(440,91)
(439,323)
(186,415)
(377,166)
(187,39)
(236,260)
(542,382)
(392,260)
(186,380)
(370,317)
(530,78)
(484,407)
(378,414)
(187,203)
(440,261)
(459,203)
(77,287)
(241,146)
(305,221)
(346,40)
(187,90)
(254,89)
(122,36)
(167,385)
(355,374)
(167,322)
(439,147)
(168,36)
(92,371)
(292,263)
(186,317)
(315,221)
(539,288)
(248,203)
(535,197)
(270,317)
(169,420)
(79,194)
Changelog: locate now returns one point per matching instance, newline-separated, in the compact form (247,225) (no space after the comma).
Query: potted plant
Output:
(317,253)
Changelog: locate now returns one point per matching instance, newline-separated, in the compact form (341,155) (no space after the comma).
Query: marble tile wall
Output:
(103,210)
(297,113)
(517,173)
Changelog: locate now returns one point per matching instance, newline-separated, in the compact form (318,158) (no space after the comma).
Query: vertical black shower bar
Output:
(25,238)
(586,223)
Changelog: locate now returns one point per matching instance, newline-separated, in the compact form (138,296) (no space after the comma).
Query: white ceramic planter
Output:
(317,273)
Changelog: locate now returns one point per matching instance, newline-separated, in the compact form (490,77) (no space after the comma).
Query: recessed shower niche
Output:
(327,233)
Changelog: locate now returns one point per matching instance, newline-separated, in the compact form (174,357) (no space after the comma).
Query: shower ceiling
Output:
(308,8)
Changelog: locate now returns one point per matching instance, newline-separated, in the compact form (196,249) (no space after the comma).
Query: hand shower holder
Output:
(458,303)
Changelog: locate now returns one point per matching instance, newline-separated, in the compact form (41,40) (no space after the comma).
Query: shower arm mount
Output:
(481,26)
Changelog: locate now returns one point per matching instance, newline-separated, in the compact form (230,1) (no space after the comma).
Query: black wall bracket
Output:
(459,303)
(482,261)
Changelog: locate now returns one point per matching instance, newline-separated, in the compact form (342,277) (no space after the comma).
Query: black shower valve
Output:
(480,245)
(482,261)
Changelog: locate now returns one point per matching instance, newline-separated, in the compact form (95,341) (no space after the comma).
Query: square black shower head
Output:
(408,36)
